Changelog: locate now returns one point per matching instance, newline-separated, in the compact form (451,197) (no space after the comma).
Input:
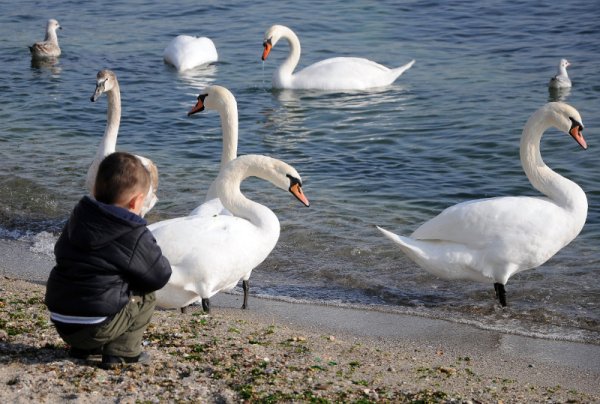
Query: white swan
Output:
(489,240)
(106,82)
(561,79)
(210,254)
(48,48)
(186,52)
(222,100)
(341,73)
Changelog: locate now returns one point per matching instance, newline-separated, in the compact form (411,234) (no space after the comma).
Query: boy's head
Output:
(122,180)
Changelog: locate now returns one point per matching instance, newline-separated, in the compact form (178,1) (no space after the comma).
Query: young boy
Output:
(101,292)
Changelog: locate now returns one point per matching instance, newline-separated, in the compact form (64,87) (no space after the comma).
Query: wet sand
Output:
(397,353)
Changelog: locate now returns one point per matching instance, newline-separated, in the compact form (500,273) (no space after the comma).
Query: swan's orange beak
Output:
(267,50)
(199,105)
(575,132)
(296,190)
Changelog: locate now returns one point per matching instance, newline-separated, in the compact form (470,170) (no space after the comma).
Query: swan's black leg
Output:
(246,287)
(183,309)
(500,293)
(206,305)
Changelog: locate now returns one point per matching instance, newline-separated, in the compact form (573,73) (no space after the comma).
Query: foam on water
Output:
(43,243)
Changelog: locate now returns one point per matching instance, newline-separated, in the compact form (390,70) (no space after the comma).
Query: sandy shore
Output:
(279,351)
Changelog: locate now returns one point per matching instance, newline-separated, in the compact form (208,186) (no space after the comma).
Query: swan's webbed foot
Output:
(206,305)
(500,293)
(246,288)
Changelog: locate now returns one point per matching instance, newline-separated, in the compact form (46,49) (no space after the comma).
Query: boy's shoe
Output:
(83,354)
(112,361)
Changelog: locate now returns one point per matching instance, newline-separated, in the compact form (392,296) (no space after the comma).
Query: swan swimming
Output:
(48,48)
(222,100)
(489,240)
(106,82)
(340,73)
(185,52)
(209,254)
(561,79)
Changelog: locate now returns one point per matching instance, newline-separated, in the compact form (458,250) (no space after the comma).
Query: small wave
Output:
(43,243)
(496,321)
(12,233)
(40,242)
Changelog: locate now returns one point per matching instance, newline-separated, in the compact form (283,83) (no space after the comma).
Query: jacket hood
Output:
(94,224)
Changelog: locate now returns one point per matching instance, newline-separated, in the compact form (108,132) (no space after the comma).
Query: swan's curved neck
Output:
(229,126)
(113,120)
(51,36)
(228,191)
(287,67)
(562,70)
(559,189)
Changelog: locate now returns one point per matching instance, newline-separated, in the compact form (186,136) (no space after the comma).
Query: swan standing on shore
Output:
(489,240)
(48,48)
(340,73)
(106,82)
(186,52)
(209,254)
(561,80)
(222,100)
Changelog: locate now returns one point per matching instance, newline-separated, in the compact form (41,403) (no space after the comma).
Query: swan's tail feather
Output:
(399,70)
(394,237)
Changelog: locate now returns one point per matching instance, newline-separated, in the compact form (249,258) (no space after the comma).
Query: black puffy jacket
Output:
(104,254)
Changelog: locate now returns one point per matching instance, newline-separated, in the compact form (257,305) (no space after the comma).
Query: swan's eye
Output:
(267,42)
(293,180)
(575,123)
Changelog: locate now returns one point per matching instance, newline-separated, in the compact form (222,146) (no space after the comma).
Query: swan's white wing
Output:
(211,208)
(475,222)
(523,229)
(208,254)
(212,205)
(346,65)
(342,73)
(346,73)
(186,52)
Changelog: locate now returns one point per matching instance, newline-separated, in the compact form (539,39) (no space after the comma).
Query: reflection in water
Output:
(200,77)
(558,94)
(343,108)
(47,63)
(344,100)
(288,116)
(335,126)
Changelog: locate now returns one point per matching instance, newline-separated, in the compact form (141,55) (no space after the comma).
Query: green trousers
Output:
(121,336)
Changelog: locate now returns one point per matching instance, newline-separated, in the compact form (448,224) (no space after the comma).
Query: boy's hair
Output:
(120,176)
